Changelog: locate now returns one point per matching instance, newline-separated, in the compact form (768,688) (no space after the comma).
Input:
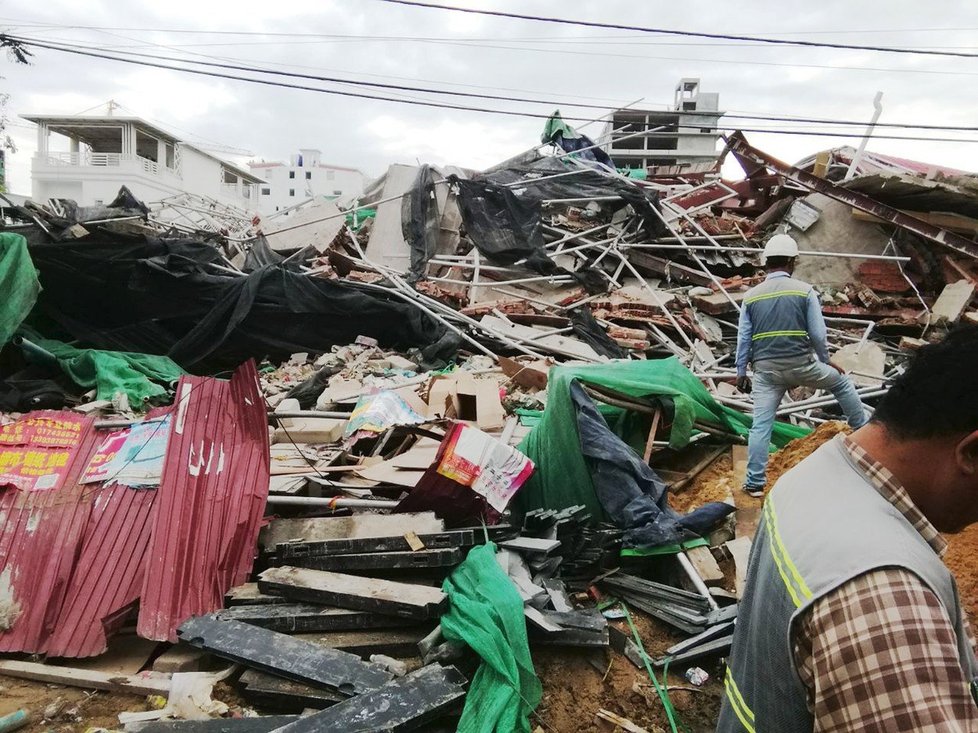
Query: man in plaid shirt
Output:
(850,621)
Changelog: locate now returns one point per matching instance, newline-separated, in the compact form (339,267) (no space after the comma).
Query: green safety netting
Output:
(556,127)
(486,612)
(562,479)
(19,285)
(140,376)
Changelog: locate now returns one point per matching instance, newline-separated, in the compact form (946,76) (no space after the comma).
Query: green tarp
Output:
(19,285)
(562,479)
(140,376)
(486,612)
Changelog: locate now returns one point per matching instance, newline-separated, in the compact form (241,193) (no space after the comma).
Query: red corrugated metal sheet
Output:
(40,532)
(109,571)
(210,501)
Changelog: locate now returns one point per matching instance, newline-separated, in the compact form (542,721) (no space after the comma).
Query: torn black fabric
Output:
(420,221)
(588,330)
(632,493)
(506,229)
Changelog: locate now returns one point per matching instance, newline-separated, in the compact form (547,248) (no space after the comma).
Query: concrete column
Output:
(42,138)
(161,153)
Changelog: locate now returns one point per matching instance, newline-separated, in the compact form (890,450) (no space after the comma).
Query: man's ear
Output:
(966,454)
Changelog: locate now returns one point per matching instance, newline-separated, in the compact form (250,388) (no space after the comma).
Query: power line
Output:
(423,103)
(551,103)
(673,32)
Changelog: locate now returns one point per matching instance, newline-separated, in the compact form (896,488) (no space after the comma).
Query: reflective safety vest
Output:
(778,310)
(822,525)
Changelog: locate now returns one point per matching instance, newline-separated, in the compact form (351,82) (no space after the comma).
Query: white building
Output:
(304,177)
(689,136)
(87,159)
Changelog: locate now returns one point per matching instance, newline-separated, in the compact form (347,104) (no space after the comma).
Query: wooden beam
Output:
(144,683)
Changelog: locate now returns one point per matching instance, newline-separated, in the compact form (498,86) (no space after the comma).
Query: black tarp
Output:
(584,183)
(632,493)
(506,229)
(420,221)
(163,296)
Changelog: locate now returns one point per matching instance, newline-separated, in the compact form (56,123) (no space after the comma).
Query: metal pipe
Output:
(332,503)
(756,250)
(696,579)
(310,413)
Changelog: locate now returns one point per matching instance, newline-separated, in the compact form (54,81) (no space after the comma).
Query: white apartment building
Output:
(87,159)
(689,136)
(304,177)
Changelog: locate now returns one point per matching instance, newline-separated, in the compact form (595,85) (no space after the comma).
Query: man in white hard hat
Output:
(782,335)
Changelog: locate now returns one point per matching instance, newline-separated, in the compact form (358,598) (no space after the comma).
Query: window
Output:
(308,175)
(266,191)
(291,192)
(706,130)
(98,202)
(337,192)
(330,175)
(291,174)
(689,106)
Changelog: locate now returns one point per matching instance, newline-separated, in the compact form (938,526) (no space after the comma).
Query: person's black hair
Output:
(936,396)
(772,262)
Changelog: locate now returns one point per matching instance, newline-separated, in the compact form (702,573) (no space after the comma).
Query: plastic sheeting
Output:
(562,478)
(632,493)
(558,132)
(506,229)
(166,297)
(19,285)
(584,183)
(486,612)
(140,376)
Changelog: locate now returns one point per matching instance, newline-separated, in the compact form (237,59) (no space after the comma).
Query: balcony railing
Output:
(104,160)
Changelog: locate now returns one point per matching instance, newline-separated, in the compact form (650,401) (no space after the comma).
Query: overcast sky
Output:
(375,41)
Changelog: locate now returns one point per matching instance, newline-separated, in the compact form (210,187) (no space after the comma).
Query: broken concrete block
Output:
(952,302)
(908,343)
(351,591)
(865,363)
(283,655)
(182,658)
(402,364)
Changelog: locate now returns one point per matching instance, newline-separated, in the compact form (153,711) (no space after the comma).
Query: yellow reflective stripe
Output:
(773,334)
(744,714)
(775,294)
(778,562)
(796,584)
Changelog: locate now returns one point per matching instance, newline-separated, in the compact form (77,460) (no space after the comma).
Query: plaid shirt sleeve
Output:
(879,655)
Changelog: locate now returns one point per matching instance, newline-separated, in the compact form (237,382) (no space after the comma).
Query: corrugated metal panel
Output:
(109,571)
(210,501)
(40,533)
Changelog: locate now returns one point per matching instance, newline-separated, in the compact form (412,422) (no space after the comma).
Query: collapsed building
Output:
(374,456)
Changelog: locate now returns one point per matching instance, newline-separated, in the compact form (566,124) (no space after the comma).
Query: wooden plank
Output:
(706,565)
(351,591)
(144,683)
(651,440)
(274,693)
(740,551)
(624,723)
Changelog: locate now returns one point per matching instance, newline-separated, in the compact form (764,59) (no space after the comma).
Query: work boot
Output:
(756,491)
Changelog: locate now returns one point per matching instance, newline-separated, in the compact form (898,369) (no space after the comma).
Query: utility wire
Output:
(551,103)
(422,103)
(674,32)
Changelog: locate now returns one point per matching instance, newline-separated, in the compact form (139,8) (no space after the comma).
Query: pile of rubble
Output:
(461,415)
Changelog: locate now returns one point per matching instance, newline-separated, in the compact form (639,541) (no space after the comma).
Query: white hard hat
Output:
(781,245)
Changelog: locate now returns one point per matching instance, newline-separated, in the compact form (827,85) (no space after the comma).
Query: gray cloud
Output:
(565,63)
